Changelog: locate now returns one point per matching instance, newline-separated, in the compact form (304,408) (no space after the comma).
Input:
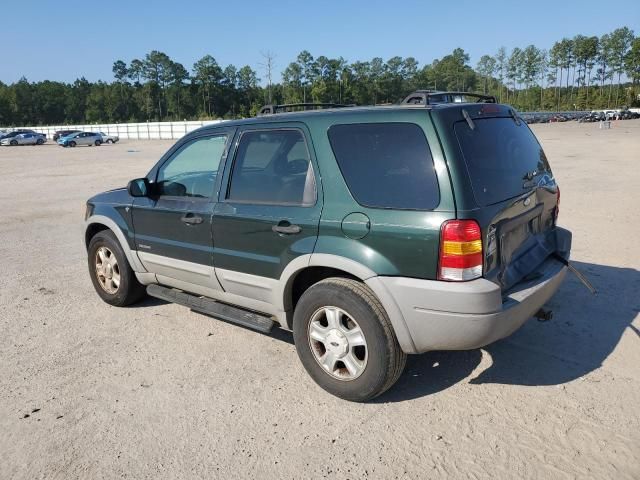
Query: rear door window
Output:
(503,158)
(386,165)
(273,167)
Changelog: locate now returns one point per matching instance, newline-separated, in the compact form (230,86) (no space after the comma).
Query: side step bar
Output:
(205,305)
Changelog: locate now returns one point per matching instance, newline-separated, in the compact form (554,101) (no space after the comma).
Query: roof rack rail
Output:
(434,97)
(295,107)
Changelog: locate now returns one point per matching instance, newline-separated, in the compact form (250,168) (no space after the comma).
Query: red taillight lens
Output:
(460,251)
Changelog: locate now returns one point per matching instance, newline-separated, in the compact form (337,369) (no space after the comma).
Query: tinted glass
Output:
(386,165)
(499,155)
(192,170)
(273,167)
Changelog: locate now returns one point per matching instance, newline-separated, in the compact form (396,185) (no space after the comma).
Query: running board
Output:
(205,305)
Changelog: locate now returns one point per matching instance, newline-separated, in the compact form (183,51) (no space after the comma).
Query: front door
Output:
(268,211)
(173,226)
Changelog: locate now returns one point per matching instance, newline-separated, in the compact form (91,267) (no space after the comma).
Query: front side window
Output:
(192,170)
(273,167)
(386,165)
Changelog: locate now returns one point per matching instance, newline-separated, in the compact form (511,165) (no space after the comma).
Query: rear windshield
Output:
(386,165)
(504,159)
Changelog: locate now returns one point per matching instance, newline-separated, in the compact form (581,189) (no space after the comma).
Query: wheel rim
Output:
(338,343)
(107,270)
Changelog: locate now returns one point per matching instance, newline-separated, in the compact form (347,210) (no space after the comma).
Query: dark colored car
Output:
(370,232)
(63,133)
(18,131)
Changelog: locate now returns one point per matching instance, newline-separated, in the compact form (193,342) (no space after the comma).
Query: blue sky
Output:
(69,39)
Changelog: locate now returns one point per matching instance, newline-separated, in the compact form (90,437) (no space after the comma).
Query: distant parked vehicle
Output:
(24,139)
(558,118)
(18,132)
(593,117)
(81,138)
(109,138)
(628,115)
(63,133)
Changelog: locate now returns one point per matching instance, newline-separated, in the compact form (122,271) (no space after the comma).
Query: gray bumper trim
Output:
(432,315)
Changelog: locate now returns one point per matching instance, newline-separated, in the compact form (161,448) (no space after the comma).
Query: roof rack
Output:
(434,97)
(295,107)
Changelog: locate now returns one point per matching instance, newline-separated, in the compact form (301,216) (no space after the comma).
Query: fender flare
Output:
(132,256)
(358,270)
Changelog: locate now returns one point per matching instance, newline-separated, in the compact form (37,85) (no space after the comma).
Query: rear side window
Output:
(504,159)
(273,167)
(386,165)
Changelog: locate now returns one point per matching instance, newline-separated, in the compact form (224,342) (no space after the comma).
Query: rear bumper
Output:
(434,315)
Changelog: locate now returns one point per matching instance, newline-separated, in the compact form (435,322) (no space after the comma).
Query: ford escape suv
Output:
(370,232)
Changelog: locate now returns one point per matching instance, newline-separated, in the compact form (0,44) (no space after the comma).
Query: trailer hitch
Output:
(543,315)
(580,276)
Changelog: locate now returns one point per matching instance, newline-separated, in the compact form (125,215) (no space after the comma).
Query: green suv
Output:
(370,232)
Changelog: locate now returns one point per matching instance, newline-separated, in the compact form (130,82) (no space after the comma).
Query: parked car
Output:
(24,139)
(593,117)
(109,138)
(63,133)
(18,131)
(391,250)
(81,138)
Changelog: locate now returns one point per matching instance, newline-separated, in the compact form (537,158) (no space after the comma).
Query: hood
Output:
(118,196)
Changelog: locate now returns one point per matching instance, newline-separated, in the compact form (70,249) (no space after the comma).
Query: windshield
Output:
(503,158)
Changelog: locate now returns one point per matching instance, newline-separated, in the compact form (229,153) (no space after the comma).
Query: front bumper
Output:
(435,315)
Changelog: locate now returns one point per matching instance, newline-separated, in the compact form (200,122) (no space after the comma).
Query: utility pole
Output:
(268,66)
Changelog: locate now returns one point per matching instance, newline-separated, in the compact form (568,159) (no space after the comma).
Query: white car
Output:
(109,138)
(24,139)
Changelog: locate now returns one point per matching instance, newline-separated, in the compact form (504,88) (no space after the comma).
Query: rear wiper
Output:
(467,117)
(514,115)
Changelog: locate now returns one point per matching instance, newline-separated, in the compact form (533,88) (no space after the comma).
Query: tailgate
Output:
(516,195)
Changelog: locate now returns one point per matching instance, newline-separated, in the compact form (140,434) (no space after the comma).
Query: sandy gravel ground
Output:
(156,391)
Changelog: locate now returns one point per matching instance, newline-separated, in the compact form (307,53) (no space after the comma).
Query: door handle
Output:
(285,228)
(191,219)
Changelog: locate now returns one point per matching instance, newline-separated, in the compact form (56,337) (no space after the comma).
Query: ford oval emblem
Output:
(527,201)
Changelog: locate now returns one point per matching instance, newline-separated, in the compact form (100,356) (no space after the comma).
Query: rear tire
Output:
(352,353)
(111,275)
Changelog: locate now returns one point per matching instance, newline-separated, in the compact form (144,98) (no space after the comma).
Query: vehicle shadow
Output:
(585,329)
(148,301)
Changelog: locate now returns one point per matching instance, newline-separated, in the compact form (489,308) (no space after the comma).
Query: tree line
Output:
(579,73)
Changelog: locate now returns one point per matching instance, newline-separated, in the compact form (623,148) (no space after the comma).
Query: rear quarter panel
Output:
(400,242)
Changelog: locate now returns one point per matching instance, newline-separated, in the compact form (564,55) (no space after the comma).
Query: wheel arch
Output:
(304,273)
(97,223)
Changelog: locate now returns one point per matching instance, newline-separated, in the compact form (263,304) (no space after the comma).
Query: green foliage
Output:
(577,73)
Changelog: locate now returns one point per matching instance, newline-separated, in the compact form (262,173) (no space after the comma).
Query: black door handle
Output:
(285,228)
(191,219)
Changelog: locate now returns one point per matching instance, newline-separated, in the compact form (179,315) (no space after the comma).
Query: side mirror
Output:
(139,187)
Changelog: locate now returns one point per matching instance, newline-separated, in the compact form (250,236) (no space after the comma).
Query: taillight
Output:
(460,251)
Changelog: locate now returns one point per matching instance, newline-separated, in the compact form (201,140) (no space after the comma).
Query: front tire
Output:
(345,340)
(72,144)
(98,143)
(111,275)
(13,143)
(40,141)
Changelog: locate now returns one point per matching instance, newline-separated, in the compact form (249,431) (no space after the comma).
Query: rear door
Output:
(173,227)
(269,209)
(515,191)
